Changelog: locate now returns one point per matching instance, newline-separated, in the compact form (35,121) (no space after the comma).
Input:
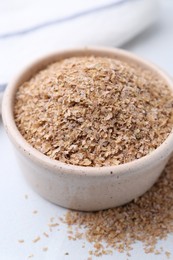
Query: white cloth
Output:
(31,28)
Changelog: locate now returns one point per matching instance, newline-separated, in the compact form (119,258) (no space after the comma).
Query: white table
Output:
(17,220)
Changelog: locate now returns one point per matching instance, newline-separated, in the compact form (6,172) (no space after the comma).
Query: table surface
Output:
(17,220)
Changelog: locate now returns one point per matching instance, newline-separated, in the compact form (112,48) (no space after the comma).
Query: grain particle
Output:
(35,212)
(45,234)
(36,239)
(45,248)
(168,254)
(72,238)
(98,245)
(21,241)
(53,224)
(90,252)
(157,252)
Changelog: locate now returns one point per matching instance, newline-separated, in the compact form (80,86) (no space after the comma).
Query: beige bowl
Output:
(76,187)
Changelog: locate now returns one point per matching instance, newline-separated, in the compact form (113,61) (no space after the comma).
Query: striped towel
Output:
(31,28)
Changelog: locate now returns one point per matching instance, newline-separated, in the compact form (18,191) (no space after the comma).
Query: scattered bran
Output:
(168,254)
(36,239)
(53,224)
(30,256)
(45,249)
(45,234)
(147,219)
(21,241)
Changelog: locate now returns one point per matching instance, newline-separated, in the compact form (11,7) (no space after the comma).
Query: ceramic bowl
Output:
(76,187)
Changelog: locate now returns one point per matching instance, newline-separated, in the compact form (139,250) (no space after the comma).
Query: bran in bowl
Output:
(94,111)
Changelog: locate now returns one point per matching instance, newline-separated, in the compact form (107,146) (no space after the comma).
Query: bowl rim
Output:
(132,167)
